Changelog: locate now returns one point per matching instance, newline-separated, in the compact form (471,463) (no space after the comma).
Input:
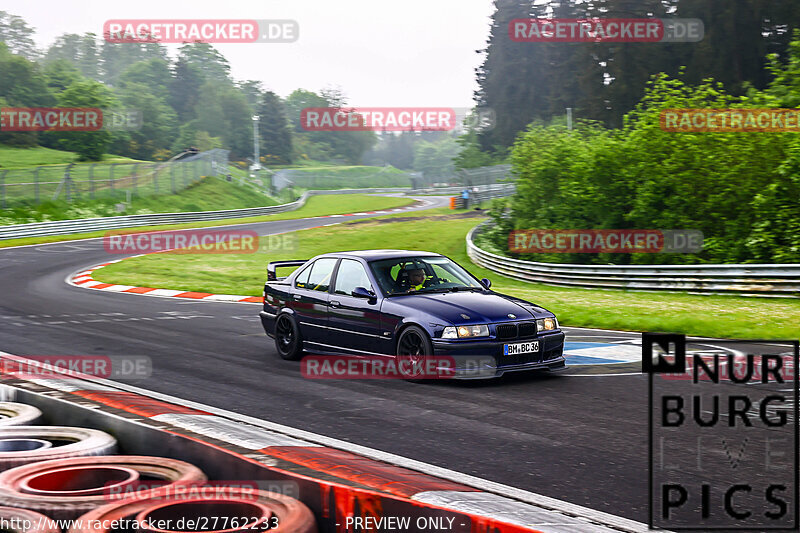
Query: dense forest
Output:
(525,82)
(189,100)
(618,169)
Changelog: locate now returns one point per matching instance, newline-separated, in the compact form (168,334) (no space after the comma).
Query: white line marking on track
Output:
(540,500)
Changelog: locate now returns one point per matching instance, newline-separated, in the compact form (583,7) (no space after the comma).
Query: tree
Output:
(80,50)
(115,58)
(252,90)
(18,36)
(21,85)
(159,122)
(184,92)
(208,61)
(223,111)
(299,100)
(192,136)
(152,73)
(435,160)
(90,145)
(274,130)
(60,74)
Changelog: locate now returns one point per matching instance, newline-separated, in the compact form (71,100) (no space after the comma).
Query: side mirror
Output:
(361,292)
(486,282)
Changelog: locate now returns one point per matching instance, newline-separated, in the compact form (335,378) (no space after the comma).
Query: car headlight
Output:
(547,324)
(452,332)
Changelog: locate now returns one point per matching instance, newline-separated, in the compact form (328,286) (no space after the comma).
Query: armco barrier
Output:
(745,280)
(335,484)
(84,225)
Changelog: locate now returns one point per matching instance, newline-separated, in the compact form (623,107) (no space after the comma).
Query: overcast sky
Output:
(380,53)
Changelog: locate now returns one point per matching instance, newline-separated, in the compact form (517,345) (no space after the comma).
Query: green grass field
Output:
(713,316)
(13,157)
(315,206)
(208,194)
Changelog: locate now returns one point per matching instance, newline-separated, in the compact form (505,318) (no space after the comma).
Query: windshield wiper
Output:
(457,289)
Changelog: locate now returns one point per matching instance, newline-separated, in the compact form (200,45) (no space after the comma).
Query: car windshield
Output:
(408,275)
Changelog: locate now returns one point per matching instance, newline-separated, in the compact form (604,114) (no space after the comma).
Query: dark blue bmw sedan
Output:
(400,303)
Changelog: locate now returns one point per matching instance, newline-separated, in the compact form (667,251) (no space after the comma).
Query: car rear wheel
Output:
(414,346)
(287,338)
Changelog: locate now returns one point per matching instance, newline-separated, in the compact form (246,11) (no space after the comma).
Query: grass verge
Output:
(315,206)
(713,316)
(14,157)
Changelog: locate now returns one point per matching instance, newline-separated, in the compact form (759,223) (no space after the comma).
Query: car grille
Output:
(506,331)
(527,329)
(513,331)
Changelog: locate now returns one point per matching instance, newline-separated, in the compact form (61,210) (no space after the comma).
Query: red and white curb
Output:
(327,460)
(85,280)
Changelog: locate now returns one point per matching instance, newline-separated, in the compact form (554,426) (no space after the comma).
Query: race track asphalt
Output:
(580,436)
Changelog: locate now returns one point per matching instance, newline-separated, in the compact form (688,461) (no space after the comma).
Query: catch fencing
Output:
(116,181)
(364,177)
(742,279)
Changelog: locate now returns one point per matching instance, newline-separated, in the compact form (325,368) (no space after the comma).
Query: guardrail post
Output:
(3,189)
(91,180)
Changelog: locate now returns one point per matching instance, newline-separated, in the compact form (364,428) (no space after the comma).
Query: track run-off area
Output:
(580,436)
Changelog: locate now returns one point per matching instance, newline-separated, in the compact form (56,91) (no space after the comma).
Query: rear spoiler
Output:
(271,276)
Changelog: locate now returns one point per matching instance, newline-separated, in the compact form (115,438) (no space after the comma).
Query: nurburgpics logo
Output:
(723,439)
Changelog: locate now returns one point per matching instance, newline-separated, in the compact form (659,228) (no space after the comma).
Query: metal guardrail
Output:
(744,279)
(85,225)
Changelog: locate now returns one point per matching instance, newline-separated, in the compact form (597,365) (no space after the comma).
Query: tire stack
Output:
(52,474)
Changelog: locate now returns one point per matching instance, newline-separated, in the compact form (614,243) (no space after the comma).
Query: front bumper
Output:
(482,359)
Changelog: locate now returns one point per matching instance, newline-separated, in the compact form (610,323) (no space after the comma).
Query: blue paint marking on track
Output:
(600,353)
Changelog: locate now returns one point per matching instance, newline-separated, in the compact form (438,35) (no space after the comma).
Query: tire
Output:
(14,518)
(67,488)
(414,345)
(18,414)
(66,442)
(288,341)
(292,516)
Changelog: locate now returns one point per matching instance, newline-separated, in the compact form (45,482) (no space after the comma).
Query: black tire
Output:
(414,345)
(288,341)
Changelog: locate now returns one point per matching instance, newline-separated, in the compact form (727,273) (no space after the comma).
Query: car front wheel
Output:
(413,347)
(287,338)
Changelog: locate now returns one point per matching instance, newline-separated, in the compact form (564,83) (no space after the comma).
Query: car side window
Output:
(351,275)
(301,281)
(320,277)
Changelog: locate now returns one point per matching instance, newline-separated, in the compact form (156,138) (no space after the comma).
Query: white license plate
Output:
(521,347)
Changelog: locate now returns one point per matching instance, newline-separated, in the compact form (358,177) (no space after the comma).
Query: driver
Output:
(416,279)
(412,278)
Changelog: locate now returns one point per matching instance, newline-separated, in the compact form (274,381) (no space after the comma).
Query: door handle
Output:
(334,304)
(297,296)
